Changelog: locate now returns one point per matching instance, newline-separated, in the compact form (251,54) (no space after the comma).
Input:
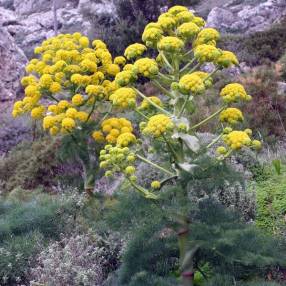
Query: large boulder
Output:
(243,18)
(28,7)
(12,63)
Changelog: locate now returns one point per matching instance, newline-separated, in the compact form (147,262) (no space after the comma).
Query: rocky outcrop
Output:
(12,63)
(244,18)
(25,24)
(30,22)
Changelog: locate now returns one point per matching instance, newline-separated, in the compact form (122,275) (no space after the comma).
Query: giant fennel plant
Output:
(76,88)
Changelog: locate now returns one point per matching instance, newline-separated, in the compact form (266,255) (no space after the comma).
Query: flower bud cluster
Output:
(115,159)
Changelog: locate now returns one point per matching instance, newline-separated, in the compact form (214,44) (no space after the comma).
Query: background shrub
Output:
(25,227)
(83,259)
(260,47)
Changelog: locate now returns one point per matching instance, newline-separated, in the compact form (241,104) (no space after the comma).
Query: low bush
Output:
(83,259)
(267,111)
(260,47)
(271,203)
(24,229)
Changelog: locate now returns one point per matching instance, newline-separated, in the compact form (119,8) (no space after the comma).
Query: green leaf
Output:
(192,142)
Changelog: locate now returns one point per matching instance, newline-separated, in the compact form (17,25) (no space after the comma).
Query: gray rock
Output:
(28,7)
(7,17)
(220,16)
(247,18)
(7,4)
(92,7)
(12,63)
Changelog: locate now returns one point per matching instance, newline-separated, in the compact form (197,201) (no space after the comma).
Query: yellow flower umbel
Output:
(237,139)
(158,125)
(231,116)
(188,30)
(147,67)
(134,51)
(113,127)
(234,92)
(191,83)
(125,77)
(151,36)
(123,97)
(170,44)
(146,105)
(227,59)
(206,53)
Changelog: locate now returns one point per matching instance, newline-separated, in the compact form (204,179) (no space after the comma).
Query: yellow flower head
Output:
(46,80)
(84,42)
(184,17)
(81,116)
(98,136)
(205,77)
(209,34)
(96,90)
(98,44)
(88,66)
(170,44)
(155,185)
(125,139)
(121,61)
(134,51)
(188,30)
(227,59)
(237,139)
(146,105)
(151,36)
(147,67)
(49,122)
(177,9)
(231,116)
(71,113)
(125,78)
(32,90)
(158,125)
(113,69)
(191,83)
(113,127)
(68,124)
(206,53)
(55,87)
(234,92)
(166,23)
(123,97)
(63,104)
(200,22)
(77,99)
(38,112)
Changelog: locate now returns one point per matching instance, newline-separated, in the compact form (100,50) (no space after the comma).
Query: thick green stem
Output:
(155,165)
(208,118)
(184,106)
(166,61)
(152,103)
(171,149)
(147,194)
(186,257)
